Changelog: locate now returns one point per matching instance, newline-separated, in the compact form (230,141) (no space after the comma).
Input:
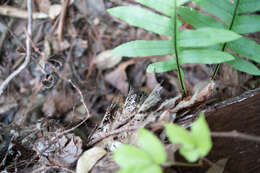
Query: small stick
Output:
(81,98)
(114,132)
(235,134)
(28,50)
(62,19)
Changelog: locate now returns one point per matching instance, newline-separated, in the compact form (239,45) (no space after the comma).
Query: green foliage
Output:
(236,18)
(144,159)
(151,153)
(194,144)
(182,44)
(151,144)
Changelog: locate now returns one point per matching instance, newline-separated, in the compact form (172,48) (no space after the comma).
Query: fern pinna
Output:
(234,15)
(188,46)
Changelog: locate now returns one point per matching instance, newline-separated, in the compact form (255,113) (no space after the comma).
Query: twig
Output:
(19,13)
(174,163)
(28,50)
(65,5)
(114,132)
(235,134)
(81,97)
(75,127)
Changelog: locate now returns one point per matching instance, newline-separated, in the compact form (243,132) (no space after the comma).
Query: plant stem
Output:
(28,50)
(174,163)
(225,44)
(176,50)
(235,134)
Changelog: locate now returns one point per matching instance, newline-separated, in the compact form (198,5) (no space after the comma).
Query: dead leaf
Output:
(153,99)
(49,108)
(59,46)
(57,103)
(202,92)
(118,77)
(105,60)
(151,81)
(71,149)
(20,13)
(171,150)
(79,47)
(43,5)
(219,167)
(54,10)
(106,165)
(89,158)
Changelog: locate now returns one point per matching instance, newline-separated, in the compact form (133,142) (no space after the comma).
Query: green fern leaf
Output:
(181,42)
(162,66)
(231,17)
(143,18)
(164,6)
(143,48)
(244,66)
(246,6)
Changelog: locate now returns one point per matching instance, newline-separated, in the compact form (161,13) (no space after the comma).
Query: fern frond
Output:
(189,46)
(143,18)
(232,17)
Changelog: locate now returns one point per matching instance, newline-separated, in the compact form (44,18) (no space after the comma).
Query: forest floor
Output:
(50,110)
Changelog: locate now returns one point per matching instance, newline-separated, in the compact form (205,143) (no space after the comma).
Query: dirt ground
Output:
(43,124)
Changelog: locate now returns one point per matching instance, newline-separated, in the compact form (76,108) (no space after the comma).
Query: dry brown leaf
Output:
(49,108)
(43,5)
(171,150)
(89,158)
(151,81)
(71,150)
(203,91)
(118,77)
(106,60)
(54,10)
(20,13)
(63,150)
(219,167)
(57,103)
(59,46)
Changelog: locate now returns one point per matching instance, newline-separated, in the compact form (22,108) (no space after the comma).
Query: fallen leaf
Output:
(218,167)
(57,103)
(43,5)
(151,81)
(71,150)
(79,47)
(54,10)
(89,158)
(63,150)
(106,60)
(59,46)
(153,99)
(202,92)
(171,150)
(49,108)
(118,77)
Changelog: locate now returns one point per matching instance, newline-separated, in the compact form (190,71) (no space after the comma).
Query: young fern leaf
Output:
(233,17)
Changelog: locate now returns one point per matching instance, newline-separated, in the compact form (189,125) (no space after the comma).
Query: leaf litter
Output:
(33,120)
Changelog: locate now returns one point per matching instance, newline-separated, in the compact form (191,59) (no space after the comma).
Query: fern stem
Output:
(176,51)
(216,69)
